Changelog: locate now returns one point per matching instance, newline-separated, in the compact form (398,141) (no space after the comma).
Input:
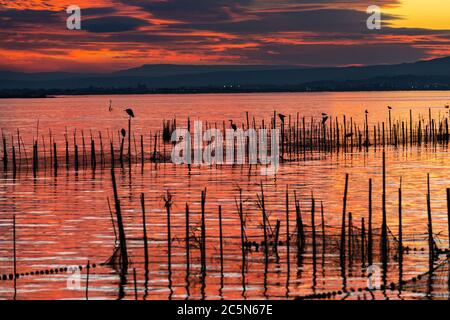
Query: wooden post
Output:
(67,153)
(87,279)
(122,237)
(55,161)
(142,154)
(14,256)
(344,208)
(129,142)
(5,155)
(430,223)
(400,226)
(14,161)
(369,232)
(187,241)
(448,215)
(363,242)
(287,232)
(203,230)
(76,158)
(144,228)
(313,227)
(263,208)
(323,229)
(168,204)
(384,244)
(221,240)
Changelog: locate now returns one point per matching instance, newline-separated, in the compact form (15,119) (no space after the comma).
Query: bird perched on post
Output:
(281,116)
(366,111)
(447,106)
(324,118)
(233,125)
(130,112)
(123,132)
(389,107)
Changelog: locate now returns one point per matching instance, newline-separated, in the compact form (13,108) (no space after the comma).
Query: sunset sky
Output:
(119,34)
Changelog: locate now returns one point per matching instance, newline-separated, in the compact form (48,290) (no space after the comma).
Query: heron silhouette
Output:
(233,125)
(130,112)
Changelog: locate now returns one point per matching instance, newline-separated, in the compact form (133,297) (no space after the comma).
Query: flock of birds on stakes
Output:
(282,117)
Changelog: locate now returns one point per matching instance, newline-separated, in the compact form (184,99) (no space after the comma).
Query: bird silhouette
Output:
(233,125)
(366,111)
(130,112)
(281,116)
(324,119)
(447,106)
(324,114)
(389,107)
(110,106)
(123,132)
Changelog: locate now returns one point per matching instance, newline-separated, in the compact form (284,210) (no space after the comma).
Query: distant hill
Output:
(154,78)
(163,70)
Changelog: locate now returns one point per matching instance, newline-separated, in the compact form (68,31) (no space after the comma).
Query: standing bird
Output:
(130,112)
(366,111)
(324,118)
(281,116)
(123,132)
(233,125)
(110,106)
(389,107)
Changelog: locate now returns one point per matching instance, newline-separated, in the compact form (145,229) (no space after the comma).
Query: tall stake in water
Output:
(430,223)
(144,227)
(448,215)
(221,242)
(15,256)
(344,209)
(369,231)
(122,237)
(384,245)
(400,226)
(288,260)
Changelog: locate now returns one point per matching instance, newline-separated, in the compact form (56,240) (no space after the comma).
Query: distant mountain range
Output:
(430,74)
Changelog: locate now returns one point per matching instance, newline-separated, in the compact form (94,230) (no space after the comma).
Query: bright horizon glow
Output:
(430,14)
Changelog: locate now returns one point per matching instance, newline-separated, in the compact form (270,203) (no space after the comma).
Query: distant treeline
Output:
(400,83)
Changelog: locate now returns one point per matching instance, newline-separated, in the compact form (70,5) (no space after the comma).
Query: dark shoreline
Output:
(35,94)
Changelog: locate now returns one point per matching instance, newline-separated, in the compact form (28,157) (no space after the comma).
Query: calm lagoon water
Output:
(65,220)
